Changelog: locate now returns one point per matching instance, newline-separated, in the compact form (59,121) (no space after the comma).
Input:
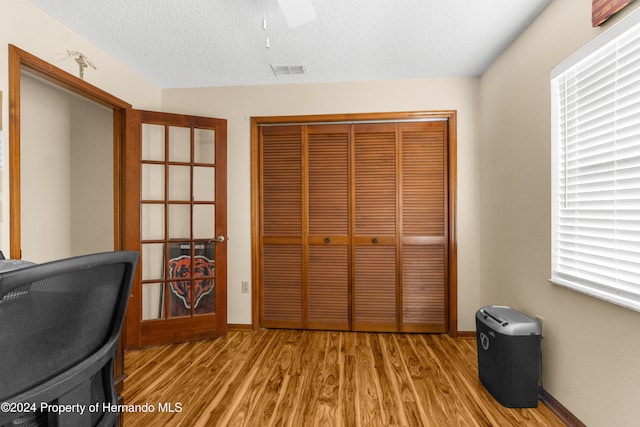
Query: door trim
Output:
(448,115)
(20,60)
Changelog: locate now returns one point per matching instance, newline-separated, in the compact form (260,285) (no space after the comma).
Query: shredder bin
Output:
(509,355)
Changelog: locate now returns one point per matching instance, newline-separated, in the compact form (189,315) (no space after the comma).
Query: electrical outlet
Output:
(245,287)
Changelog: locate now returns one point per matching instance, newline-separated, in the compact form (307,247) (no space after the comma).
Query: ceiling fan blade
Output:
(297,12)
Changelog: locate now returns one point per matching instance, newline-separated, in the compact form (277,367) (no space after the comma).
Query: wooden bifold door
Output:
(353,227)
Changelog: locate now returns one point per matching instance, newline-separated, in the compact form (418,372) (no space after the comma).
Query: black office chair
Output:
(59,325)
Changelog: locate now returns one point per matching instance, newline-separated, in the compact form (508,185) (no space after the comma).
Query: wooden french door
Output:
(355,223)
(175,215)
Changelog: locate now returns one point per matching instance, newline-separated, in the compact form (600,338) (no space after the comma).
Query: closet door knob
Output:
(327,240)
(374,241)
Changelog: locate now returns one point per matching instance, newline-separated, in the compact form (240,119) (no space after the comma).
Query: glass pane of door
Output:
(204,146)
(179,183)
(178,226)
(179,144)
(152,142)
(204,184)
(152,301)
(152,182)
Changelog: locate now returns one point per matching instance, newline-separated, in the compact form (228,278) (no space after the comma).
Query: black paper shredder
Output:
(509,355)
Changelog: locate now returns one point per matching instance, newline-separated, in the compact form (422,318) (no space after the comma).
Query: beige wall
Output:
(29,28)
(239,104)
(591,348)
(91,185)
(45,168)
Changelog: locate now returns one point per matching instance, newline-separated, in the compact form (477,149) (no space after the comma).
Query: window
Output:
(596,167)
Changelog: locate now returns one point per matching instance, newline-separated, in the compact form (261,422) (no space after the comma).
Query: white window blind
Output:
(596,167)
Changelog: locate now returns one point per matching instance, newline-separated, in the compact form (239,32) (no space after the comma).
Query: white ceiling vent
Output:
(284,70)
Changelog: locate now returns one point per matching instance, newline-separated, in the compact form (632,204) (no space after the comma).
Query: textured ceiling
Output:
(199,43)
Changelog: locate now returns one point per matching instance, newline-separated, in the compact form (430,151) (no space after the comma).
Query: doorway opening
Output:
(33,75)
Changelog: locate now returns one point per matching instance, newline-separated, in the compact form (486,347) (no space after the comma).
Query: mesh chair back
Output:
(59,324)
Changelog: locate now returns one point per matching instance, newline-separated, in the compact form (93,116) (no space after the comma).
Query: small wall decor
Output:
(83,62)
(601,10)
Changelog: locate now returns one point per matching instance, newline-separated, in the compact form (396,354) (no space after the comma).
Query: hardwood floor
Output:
(315,378)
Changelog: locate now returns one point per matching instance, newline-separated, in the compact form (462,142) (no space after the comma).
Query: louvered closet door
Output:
(354,226)
(374,234)
(328,227)
(282,251)
(424,227)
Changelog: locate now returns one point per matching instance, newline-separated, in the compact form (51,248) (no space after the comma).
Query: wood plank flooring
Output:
(316,378)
